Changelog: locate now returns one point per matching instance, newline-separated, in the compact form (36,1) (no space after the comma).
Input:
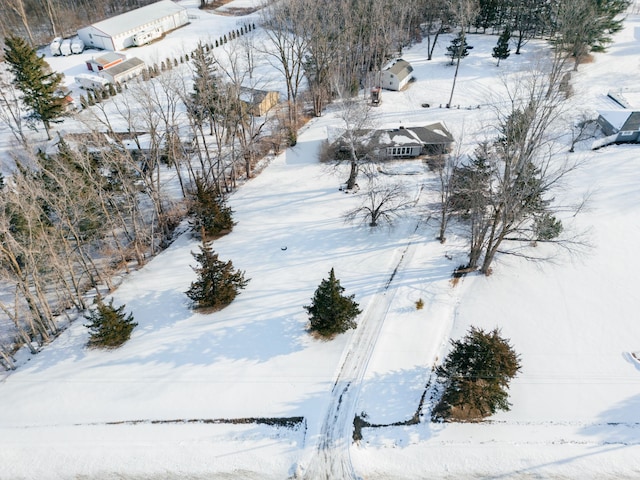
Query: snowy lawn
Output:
(147,409)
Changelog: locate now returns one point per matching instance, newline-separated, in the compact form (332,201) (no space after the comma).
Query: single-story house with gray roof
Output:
(402,142)
(409,142)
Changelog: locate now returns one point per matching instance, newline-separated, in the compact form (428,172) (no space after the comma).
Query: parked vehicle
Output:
(55,46)
(146,36)
(65,47)
(77,46)
(91,82)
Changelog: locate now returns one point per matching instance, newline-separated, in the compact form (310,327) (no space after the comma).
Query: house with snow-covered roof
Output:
(620,126)
(409,142)
(402,142)
(119,32)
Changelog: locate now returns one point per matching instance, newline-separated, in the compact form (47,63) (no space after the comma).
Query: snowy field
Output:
(159,407)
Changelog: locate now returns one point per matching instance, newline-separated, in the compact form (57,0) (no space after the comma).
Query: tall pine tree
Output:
(218,283)
(502,50)
(205,98)
(330,311)
(40,87)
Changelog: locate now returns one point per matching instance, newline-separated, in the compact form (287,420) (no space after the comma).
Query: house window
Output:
(626,133)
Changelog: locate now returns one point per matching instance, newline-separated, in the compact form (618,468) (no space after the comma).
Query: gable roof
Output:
(126,22)
(432,134)
(400,68)
(622,119)
(122,67)
(633,122)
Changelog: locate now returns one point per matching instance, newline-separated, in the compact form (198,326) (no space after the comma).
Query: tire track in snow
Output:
(332,459)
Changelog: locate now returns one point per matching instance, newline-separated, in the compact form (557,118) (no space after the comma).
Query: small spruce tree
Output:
(458,48)
(331,312)
(109,326)
(218,283)
(211,217)
(476,374)
(502,51)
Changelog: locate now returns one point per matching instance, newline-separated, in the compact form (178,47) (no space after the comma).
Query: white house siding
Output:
(117,33)
(397,75)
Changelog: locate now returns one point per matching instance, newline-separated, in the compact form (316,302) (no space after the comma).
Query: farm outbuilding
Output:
(123,71)
(107,60)
(396,75)
(258,102)
(117,33)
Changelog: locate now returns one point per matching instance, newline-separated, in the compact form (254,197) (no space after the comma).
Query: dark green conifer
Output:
(109,326)
(502,50)
(331,312)
(476,374)
(218,283)
(42,94)
(212,217)
(458,48)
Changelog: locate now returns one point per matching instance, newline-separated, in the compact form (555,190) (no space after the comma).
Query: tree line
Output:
(75,216)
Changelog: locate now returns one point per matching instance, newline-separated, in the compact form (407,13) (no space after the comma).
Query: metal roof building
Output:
(123,71)
(116,33)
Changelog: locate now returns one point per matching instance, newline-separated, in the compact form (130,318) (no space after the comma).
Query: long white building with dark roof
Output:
(116,33)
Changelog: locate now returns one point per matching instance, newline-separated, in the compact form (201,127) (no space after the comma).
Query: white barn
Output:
(116,33)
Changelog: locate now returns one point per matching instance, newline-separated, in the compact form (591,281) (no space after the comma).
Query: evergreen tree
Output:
(205,97)
(40,87)
(109,326)
(218,283)
(212,218)
(458,48)
(502,50)
(476,373)
(331,312)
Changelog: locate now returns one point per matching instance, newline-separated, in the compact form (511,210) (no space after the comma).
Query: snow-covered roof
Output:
(125,66)
(432,134)
(400,68)
(616,118)
(126,22)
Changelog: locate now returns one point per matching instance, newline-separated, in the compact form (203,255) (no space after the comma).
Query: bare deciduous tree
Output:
(381,203)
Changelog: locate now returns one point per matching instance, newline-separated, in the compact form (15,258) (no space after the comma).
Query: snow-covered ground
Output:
(157,407)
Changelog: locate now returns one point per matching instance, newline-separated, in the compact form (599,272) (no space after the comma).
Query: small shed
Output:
(105,61)
(117,33)
(123,71)
(396,75)
(258,102)
(623,126)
